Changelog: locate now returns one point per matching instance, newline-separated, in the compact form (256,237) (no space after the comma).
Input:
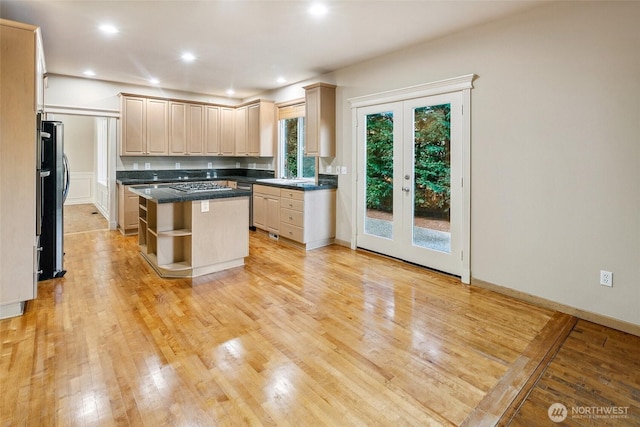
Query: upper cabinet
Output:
(152,126)
(256,130)
(145,126)
(186,129)
(320,120)
(227,131)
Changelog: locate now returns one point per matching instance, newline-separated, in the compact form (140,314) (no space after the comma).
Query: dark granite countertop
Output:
(301,186)
(326,182)
(162,193)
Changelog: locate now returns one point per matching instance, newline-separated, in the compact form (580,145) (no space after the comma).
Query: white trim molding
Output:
(81,188)
(427,89)
(81,111)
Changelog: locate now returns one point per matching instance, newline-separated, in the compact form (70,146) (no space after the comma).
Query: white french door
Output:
(409,187)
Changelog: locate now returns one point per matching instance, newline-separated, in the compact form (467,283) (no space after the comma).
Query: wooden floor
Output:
(330,337)
(82,218)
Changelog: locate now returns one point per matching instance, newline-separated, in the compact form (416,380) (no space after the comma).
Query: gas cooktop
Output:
(194,187)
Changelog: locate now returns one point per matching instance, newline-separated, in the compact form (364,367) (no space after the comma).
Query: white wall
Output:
(555,149)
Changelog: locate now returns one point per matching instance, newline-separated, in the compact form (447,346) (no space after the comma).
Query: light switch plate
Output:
(209,165)
(147,166)
(177,165)
(343,170)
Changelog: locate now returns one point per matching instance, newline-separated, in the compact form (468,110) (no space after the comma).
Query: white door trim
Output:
(462,84)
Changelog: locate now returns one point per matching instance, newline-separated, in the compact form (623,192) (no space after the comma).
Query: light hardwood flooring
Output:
(82,218)
(329,337)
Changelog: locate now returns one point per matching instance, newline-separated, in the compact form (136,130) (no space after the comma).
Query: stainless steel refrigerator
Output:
(55,187)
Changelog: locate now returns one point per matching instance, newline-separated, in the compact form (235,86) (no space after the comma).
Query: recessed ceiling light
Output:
(281,80)
(188,57)
(318,9)
(231,92)
(108,29)
(89,73)
(154,81)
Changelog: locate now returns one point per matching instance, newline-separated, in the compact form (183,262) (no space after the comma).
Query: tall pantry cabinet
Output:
(21,96)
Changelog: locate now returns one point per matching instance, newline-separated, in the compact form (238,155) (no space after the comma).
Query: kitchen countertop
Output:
(162,193)
(303,186)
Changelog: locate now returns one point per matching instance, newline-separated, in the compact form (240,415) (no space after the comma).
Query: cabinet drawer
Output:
(292,194)
(264,189)
(292,217)
(296,205)
(292,232)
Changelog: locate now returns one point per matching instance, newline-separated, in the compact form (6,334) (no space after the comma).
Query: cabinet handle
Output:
(290,217)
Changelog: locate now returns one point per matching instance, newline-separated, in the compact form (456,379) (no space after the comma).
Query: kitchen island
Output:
(190,233)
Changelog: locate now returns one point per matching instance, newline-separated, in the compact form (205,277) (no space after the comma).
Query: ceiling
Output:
(241,45)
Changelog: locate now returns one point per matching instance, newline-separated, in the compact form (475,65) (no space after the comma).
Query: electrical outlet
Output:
(328,169)
(343,170)
(147,166)
(177,165)
(337,169)
(135,166)
(209,165)
(606,278)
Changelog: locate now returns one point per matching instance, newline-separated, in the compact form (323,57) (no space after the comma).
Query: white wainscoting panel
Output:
(102,199)
(80,188)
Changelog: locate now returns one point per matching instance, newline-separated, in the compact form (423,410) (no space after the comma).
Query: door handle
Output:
(407,189)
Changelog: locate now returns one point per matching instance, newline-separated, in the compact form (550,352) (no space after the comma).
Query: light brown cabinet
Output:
(241,131)
(256,129)
(227,131)
(162,127)
(320,120)
(306,218)
(212,130)
(266,208)
(145,126)
(186,129)
(127,210)
(21,68)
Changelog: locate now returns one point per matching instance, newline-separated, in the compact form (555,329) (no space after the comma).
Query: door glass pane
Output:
(379,178)
(432,179)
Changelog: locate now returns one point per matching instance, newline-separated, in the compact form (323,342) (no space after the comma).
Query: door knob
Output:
(407,189)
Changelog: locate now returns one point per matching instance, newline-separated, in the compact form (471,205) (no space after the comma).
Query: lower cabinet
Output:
(266,208)
(306,218)
(127,210)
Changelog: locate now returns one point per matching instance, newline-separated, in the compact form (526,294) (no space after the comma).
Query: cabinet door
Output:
(253,130)
(212,134)
(241,131)
(273,215)
(131,210)
(157,127)
(195,129)
(312,116)
(320,120)
(133,126)
(227,131)
(259,212)
(177,128)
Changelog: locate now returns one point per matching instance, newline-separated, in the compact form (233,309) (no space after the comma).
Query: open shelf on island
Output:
(183,239)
